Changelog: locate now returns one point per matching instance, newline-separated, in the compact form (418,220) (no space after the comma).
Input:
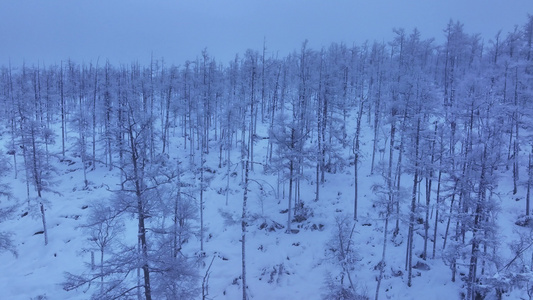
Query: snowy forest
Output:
(399,169)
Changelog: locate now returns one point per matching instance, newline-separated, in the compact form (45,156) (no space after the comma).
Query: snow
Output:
(279,265)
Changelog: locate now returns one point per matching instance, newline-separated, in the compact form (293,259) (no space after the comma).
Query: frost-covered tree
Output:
(149,186)
(6,209)
(342,251)
(33,141)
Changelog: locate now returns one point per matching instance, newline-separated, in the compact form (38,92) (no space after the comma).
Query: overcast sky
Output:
(130,30)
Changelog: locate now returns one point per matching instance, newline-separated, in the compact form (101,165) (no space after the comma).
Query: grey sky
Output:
(130,30)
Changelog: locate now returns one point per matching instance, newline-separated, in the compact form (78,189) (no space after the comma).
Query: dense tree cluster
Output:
(448,122)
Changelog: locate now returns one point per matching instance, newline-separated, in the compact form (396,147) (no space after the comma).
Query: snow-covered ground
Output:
(279,265)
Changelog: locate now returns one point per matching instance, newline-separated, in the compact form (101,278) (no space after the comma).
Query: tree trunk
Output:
(429,180)
(437,210)
(45,230)
(529,180)
(356,159)
(201,199)
(289,212)
(63,120)
(384,251)
(243,229)
(409,260)
(138,181)
(94,116)
(390,180)
(376,123)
